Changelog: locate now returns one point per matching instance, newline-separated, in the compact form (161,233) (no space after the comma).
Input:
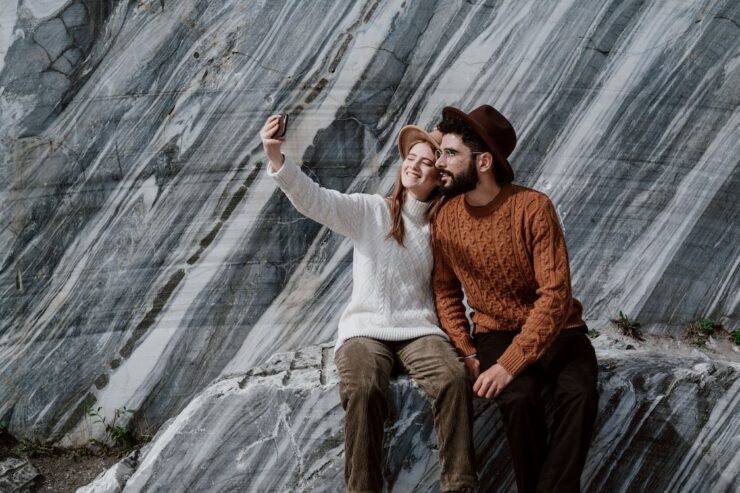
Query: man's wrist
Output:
(512,361)
(465,345)
(471,356)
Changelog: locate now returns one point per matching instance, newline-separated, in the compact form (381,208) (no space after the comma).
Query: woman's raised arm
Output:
(341,212)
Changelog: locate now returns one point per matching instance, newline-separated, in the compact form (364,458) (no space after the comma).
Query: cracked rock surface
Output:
(665,423)
(17,475)
(114,479)
(144,252)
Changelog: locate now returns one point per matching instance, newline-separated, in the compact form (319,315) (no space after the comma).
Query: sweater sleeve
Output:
(552,273)
(448,297)
(340,212)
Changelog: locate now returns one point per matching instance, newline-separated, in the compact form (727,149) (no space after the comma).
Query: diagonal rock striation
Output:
(666,423)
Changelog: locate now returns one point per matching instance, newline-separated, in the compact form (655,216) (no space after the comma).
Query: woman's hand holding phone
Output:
(272,144)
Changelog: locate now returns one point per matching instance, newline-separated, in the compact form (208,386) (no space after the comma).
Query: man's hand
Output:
(491,382)
(473,367)
(270,144)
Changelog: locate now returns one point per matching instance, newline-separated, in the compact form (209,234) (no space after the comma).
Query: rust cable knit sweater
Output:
(510,258)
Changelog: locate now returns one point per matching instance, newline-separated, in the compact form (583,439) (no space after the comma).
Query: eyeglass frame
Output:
(438,153)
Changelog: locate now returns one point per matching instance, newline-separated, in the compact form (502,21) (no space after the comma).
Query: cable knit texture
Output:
(392,297)
(510,259)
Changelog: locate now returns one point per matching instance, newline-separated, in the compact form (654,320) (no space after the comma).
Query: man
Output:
(502,245)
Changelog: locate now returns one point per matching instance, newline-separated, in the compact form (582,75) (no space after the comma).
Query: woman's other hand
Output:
(270,144)
(473,367)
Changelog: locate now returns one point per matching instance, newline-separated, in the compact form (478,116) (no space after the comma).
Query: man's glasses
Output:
(449,153)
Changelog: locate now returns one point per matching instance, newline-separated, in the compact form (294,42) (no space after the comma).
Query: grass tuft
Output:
(735,335)
(698,332)
(119,431)
(630,328)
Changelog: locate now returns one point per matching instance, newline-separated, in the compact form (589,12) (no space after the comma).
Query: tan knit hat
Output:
(411,134)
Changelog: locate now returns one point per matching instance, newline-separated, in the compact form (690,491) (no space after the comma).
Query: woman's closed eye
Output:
(424,161)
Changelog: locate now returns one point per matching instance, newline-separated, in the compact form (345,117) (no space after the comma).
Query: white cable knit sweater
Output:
(392,292)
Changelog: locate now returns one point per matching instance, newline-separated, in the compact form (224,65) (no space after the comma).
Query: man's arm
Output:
(552,272)
(448,296)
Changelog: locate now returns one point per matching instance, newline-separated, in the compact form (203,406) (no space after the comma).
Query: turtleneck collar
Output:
(415,209)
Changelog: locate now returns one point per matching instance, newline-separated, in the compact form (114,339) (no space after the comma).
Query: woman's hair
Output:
(397,198)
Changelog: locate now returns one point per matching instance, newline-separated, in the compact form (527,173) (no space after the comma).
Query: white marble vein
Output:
(143,253)
(279,428)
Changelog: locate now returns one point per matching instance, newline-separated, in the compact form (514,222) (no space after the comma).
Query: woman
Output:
(391,312)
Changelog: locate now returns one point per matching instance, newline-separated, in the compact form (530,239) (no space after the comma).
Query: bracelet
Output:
(474,355)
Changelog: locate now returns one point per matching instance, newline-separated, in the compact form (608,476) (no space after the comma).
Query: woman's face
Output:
(418,173)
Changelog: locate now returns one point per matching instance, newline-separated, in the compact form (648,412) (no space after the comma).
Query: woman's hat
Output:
(495,130)
(410,135)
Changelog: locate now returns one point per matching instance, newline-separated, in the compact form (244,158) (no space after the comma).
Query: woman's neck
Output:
(416,195)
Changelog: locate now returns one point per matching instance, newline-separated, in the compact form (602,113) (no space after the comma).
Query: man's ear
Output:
(485,162)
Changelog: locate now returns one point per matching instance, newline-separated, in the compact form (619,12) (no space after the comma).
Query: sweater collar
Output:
(414,208)
(487,209)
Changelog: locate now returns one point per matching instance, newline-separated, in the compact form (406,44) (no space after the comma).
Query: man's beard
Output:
(464,182)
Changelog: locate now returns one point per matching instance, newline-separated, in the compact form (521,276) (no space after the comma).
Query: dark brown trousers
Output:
(364,366)
(545,463)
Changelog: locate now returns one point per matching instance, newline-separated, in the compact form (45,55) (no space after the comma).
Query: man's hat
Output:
(411,134)
(495,130)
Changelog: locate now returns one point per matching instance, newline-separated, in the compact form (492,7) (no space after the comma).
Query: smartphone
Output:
(282,127)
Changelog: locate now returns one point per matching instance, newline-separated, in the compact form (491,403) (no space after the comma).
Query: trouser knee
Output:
(455,381)
(580,395)
(519,396)
(362,395)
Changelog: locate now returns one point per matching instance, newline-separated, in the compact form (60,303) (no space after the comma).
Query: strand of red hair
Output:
(397,198)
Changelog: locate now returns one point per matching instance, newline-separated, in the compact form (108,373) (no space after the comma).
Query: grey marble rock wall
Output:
(666,423)
(144,253)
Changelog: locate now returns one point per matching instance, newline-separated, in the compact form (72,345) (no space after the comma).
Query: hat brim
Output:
(507,173)
(411,134)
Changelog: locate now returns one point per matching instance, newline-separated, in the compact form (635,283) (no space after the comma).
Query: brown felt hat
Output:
(495,130)
(411,134)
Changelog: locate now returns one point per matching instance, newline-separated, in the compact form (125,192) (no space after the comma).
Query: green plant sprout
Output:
(706,325)
(628,327)
(116,432)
